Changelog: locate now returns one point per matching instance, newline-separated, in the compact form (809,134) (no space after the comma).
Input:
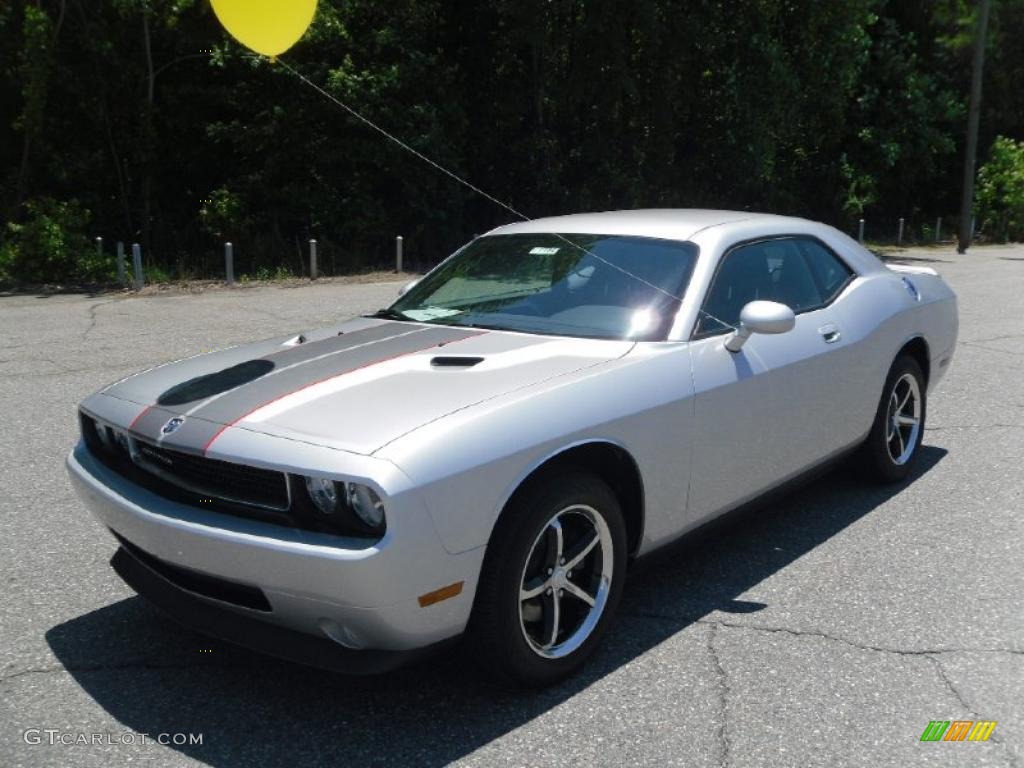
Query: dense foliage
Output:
(1001,190)
(139,120)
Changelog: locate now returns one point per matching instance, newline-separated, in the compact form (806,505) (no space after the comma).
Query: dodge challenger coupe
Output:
(486,455)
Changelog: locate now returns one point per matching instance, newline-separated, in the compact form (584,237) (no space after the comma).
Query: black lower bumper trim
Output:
(224,624)
(199,583)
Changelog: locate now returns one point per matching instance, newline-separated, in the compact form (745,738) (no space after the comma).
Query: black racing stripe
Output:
(236,404)
(183,397)
(148,424)
(191,437)
(302,352)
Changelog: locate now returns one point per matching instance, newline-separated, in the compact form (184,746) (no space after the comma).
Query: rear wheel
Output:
(552,579)
(892,446)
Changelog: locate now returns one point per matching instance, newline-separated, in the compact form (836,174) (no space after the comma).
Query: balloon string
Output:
(468,185)
(398,141)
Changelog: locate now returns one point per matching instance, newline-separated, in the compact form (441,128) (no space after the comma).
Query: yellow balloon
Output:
(269,27)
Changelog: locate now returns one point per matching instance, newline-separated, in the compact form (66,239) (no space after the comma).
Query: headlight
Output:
(367,505)
(324,494)
(351,509)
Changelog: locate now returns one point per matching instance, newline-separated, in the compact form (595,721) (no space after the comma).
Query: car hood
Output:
(355,387)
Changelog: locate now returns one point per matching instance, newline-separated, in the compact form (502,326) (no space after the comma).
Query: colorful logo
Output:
(958,730)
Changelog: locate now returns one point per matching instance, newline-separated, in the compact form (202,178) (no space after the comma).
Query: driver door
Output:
(765,413)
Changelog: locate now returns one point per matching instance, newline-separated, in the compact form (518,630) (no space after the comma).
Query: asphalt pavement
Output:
(826,628)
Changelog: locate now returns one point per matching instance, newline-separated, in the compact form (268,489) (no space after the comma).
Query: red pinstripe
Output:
(330,378)
(142,413)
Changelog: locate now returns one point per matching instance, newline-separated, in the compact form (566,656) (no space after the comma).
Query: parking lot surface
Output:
(826,628)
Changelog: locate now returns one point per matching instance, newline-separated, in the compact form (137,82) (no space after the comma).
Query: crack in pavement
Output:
(978,345)
(962,700)
(93,308)
(932,655)
(723,696)
(993,338)
(974,426)
(60,369)
(952,688)
(50,374)
(268,313)
(821,635)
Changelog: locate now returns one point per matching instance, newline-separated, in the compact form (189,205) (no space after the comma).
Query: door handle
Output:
(830,333)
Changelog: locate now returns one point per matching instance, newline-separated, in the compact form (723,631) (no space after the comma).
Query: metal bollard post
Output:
(312,260)
(899,234)
(398,254)
(99,247)
(120,263)
(938,229)
(137,265)
(229,263)
(973,228)
(860,232)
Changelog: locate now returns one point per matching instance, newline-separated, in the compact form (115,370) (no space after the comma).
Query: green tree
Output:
(999,203)
(168,133)
(50,246)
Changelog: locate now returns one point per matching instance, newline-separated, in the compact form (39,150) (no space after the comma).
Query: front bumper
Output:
(204,617)
(326,587)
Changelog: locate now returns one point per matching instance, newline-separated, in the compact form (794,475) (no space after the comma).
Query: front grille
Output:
(218,479)
(220,486)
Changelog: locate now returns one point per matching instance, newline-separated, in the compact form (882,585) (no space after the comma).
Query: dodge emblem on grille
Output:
(172,425)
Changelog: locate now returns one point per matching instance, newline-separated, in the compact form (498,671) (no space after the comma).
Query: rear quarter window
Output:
(829,271)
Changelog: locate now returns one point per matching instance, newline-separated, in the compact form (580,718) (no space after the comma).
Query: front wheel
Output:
(551,580)
(892,445)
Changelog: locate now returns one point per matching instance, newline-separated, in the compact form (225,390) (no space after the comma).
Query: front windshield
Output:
(594,286)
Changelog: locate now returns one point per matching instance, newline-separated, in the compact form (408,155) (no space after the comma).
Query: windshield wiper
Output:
(470,324)
(389,314)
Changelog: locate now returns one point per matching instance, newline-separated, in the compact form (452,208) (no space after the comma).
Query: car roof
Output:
(665,223)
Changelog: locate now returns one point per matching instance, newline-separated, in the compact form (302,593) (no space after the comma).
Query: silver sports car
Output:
(486,455)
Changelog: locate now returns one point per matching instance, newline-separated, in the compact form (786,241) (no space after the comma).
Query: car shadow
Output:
(156,677)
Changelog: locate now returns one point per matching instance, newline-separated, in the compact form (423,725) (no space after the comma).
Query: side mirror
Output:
(761,317)
(407,287)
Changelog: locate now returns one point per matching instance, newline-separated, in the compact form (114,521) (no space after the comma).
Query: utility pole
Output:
(973,117)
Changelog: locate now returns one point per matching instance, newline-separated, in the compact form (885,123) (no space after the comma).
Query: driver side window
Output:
(770,270)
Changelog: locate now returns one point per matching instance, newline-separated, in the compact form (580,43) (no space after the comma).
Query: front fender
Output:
(467,465)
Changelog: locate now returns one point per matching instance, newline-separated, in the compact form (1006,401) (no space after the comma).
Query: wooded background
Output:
(139,120)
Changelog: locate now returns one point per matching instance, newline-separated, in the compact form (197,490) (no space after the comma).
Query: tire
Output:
(513,637)
(890,450)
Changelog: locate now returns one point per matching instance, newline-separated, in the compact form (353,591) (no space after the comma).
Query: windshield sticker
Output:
(430,313)
(541,251)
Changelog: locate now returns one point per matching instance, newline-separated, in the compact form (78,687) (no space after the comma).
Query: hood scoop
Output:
(455,361)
